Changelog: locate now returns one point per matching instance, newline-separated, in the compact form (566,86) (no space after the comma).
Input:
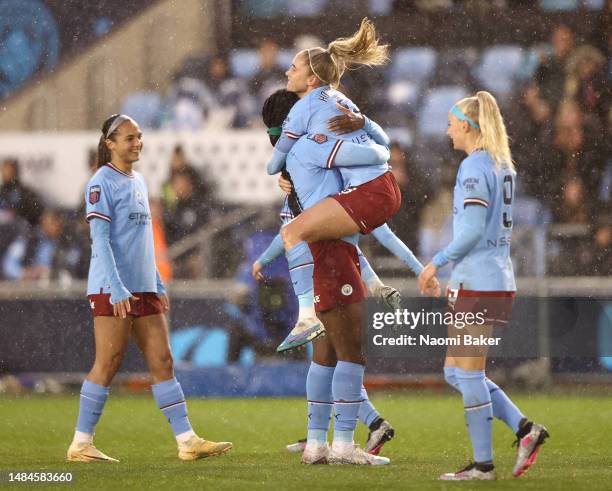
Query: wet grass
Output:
(431,439)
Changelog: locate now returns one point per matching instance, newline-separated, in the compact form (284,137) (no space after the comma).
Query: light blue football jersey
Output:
(310,116)
(122,200)
(487,267)
(312,180)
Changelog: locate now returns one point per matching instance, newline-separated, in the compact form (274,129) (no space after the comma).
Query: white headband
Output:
(122,118)
(312,68)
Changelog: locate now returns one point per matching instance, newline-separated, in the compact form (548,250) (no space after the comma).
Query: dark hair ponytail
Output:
(104,154)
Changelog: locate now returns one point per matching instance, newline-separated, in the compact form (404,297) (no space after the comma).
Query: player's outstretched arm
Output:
(351,154)
(396,246)
(470,232)
(279,155)
(375,131)
(275,249)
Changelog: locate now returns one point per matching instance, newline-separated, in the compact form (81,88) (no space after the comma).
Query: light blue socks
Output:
(320,401)
(301,266)
(346,388)
(367,412)
(478,412)
(171,400)
(93,398)
(503,408)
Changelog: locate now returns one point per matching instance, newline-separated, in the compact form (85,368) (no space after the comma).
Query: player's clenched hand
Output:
(122,308)
(428,284)
(165,302)
(256,271)
(285,184)
(432,288)
(345,123)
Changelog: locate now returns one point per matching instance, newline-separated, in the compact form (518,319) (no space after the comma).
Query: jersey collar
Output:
(116,169)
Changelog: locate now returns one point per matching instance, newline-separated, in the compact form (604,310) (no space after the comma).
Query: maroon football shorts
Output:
(147,304)
(337,274)
(371,204)
(494,306)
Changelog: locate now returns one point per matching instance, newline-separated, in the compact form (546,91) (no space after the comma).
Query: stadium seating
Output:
(285,57)
(380,7)
(415,64)
(403,95)
(145,107)
(432,118)
(454,67)
(410,69)
(244,62)
(312,8)
(498,68)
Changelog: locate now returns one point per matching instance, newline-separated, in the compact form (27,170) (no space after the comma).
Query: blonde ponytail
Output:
(362,48)
(493,137)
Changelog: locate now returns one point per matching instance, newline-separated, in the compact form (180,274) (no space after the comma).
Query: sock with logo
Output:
(301,266)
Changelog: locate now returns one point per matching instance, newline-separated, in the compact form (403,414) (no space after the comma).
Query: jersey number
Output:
(508,188)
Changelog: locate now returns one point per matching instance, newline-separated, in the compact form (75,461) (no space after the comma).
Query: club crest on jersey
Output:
(346,290)
(94,194)
(318,138)
(139,198)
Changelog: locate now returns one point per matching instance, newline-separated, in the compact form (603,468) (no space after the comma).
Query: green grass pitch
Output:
(431,439)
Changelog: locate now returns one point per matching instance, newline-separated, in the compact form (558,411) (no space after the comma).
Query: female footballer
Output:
(127,296)
(372,195)
(482,280)
(336,373)
(314,182)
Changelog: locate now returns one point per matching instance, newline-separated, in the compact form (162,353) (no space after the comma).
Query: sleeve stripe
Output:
(334,152)
(293,136)
(475,201)
(301,266)
(95,214)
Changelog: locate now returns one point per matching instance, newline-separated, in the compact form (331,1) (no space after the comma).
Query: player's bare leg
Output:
(346,325)
(327,220)
(111,339)
(151,336)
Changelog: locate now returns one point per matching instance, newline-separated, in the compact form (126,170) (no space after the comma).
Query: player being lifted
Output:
(307,168)
(315,163)
(335,376)
(127,296)
(371,195)
(482,279)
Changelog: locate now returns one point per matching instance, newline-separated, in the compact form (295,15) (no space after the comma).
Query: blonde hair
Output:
(493,137)
(362,48)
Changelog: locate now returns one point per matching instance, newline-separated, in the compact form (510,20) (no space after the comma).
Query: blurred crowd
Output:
(556,105)
(43,243)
